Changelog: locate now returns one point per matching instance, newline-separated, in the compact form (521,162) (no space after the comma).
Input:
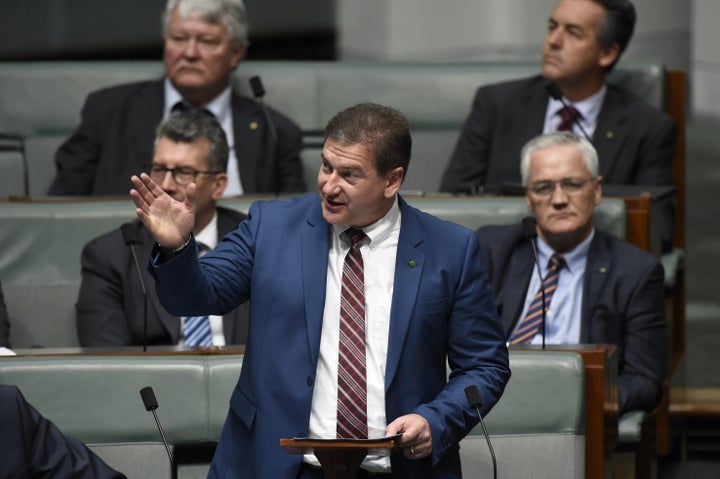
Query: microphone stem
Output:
(162,434)
(487,438)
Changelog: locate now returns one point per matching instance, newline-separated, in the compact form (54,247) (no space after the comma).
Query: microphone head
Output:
(257,87)
(529,227)
(148,397)
(129,233)
(554,90)
(473,396)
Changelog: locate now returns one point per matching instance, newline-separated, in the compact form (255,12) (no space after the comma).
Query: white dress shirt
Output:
(379,266)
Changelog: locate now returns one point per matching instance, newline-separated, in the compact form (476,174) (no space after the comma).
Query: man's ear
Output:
(219,185)
(609,55)
(394,179)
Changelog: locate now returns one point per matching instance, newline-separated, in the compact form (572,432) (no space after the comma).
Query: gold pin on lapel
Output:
(254,125)
(412,263)
(602,269)
(609,135)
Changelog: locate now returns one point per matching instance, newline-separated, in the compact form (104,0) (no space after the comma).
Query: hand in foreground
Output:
(416,440)
(169,221)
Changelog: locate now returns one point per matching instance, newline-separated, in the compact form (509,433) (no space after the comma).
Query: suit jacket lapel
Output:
(519,270)
(247,129)
(409,266)
(599,262)
(169,322)
(609,133)
(315,244)
(147,114)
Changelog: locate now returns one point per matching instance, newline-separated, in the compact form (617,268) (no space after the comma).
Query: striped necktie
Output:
(352,379)
(197,328)
(568,116)
(530,325)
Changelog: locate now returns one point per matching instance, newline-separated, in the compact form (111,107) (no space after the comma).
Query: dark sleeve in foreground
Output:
(4,322)
(34,447)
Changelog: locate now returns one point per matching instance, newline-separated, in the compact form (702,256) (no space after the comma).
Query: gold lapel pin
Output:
(609,135)
(412,263)
(254,125)
(602,269)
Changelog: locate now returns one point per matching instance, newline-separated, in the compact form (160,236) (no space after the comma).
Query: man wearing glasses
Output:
(598,288)
(190,146)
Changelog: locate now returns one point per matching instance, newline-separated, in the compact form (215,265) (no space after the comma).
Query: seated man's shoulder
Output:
(119,93)
(635,106)
(514,87)
(636,258)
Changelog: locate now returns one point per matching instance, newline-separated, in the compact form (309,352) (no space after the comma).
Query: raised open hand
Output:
(169,221)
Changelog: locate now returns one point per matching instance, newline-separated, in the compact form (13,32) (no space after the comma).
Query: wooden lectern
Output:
(340,458)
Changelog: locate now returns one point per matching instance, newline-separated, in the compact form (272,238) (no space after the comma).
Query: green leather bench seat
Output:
(538,426)
(96,399)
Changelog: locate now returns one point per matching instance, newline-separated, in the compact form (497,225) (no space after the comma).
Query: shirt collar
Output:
(378,231)
(209,235)
(574,258)
(220,106)
(589,108)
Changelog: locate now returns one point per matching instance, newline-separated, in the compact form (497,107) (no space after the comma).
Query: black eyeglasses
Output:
(571,186)
(183,175)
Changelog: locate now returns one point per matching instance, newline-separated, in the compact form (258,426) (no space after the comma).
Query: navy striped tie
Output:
(352,380)
(530,325)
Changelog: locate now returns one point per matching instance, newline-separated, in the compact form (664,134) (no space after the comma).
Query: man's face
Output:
(210,187)
(571,51)
(199,57)
(562,194)
(351,190)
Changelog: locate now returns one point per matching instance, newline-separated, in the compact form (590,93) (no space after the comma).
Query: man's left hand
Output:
(416,439)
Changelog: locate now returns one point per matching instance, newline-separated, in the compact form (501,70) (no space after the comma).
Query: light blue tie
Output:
(197,331)
(197,328)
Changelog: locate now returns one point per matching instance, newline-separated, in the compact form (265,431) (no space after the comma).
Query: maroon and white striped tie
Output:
(352,379)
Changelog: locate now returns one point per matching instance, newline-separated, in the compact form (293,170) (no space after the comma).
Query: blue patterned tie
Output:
(197,328)
(530,325)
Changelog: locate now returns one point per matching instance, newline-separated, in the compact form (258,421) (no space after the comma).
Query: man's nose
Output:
(559,196)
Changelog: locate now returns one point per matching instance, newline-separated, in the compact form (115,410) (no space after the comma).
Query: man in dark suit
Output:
(190,147)
(604,290)
(417,294)
(34,447)
(204,42)
(635,142)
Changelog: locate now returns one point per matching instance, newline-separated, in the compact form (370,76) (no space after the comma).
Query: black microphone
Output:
(129,234)
(530,231)
(258,92)
(473,398)
(151,404)
(554,91)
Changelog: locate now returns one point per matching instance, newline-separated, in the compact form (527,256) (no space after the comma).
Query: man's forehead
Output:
(566,160)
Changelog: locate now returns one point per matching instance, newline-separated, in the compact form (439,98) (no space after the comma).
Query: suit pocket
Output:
(243,408)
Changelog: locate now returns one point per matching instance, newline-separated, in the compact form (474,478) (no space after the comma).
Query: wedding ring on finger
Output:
(412,450)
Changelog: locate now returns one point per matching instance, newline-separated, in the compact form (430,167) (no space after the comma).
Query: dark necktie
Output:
(566,118)
(530,325)
(352,380)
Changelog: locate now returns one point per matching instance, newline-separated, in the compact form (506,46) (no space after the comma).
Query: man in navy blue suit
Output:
(607,290)
(427,307)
